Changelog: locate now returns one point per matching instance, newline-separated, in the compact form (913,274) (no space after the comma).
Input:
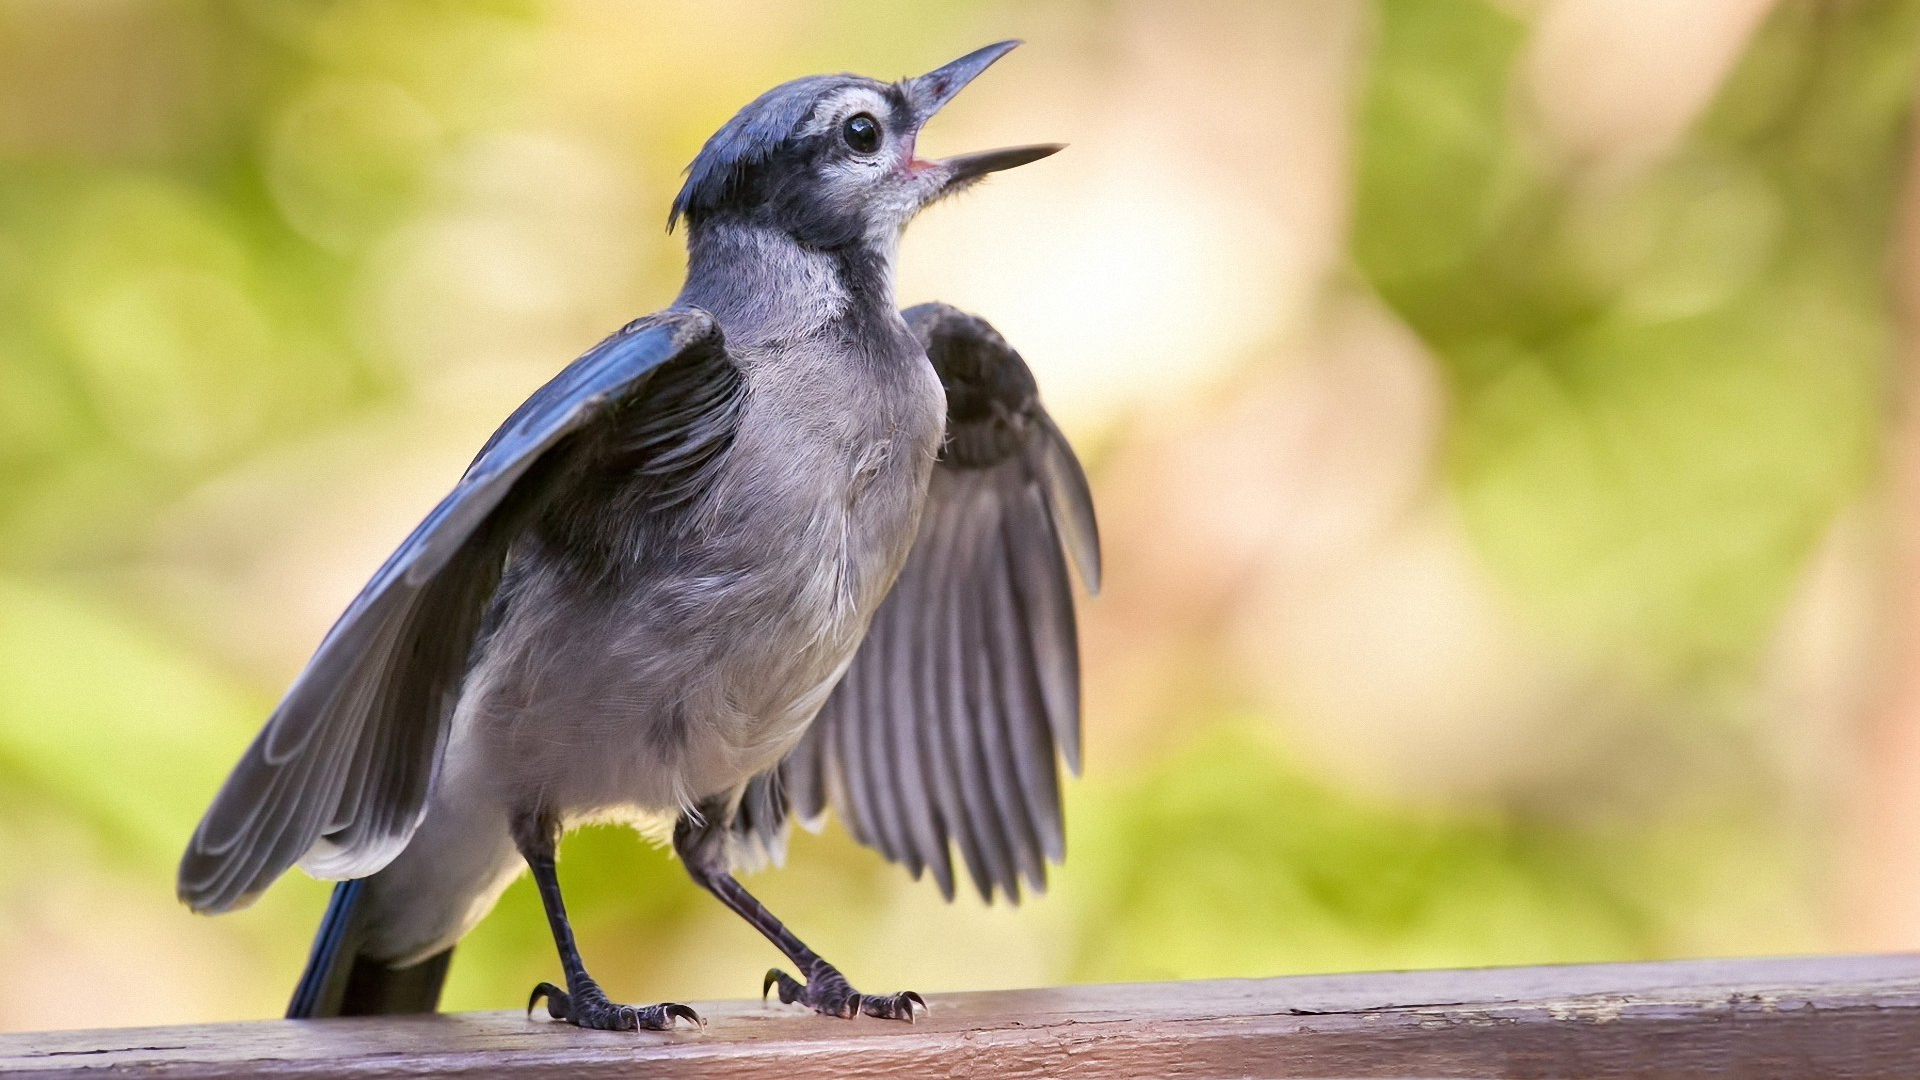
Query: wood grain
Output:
(1855,1016)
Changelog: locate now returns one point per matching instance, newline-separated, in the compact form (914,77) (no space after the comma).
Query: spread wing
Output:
(947,730)
(338,779)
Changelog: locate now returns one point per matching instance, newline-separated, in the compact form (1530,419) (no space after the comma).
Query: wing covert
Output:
(339,776)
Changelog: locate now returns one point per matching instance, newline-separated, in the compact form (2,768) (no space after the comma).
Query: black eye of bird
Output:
(862,133)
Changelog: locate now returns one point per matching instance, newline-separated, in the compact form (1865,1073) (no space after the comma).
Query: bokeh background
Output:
(1499,413)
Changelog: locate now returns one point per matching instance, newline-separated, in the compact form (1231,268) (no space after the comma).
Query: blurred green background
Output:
(1496,411)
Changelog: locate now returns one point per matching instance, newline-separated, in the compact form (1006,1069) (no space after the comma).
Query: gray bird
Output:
(779,548)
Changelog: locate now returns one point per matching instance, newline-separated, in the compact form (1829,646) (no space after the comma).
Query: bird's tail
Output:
(341,981)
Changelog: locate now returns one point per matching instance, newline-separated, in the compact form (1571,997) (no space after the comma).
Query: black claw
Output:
(791,989)
(558,1004)
(897,1007)
(664,1016)
(827,993)
(591,1009)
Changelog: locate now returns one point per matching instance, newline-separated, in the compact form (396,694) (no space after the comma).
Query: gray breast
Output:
(699,662)
(831,475)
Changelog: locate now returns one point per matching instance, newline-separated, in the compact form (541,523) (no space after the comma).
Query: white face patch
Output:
(877,185)
(842,104)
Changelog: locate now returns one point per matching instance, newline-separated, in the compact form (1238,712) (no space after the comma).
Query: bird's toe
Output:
(900,1006)
(588,1007)
(827,992)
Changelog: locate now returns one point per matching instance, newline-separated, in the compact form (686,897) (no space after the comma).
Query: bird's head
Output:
(830,159)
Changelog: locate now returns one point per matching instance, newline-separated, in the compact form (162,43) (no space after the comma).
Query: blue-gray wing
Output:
(339,777)
(948,728)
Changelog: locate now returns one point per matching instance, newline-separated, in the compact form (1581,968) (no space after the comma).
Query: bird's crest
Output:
(745,142)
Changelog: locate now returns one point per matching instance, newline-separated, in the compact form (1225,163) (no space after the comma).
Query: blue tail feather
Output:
(339,981)
(331,956)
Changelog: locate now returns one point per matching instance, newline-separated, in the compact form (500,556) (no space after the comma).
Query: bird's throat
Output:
(762,283)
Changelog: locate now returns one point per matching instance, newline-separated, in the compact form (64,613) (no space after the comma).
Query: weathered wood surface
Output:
(1799,1017)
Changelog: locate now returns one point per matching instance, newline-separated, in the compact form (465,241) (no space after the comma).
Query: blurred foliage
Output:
(181,301)
(1298,876)
(179,295)
(1663,391)
(1666,387)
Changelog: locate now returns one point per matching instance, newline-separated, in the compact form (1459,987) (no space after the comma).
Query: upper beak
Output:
(930,91)
(937,87)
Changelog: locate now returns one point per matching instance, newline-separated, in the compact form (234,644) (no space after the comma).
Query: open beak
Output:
(931,91)
(965,167)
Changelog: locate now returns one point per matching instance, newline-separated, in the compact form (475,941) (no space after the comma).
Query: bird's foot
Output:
(588,1007)
(827,993)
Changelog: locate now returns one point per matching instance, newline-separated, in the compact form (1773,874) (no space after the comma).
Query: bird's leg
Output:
(700,841)
(582,1003)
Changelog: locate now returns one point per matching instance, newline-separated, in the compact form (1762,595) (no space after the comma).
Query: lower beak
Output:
(964,168)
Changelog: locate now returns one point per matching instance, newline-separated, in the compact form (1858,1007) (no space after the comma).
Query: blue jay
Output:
(779,548)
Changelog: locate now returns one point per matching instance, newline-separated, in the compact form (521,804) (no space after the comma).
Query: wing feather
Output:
(877,776)
(849,772)
(340,775)
(1025,714)
(948,730)
(921,841)
(959,695)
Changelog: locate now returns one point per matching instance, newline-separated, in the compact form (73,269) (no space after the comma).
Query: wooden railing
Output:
(1855,1016)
